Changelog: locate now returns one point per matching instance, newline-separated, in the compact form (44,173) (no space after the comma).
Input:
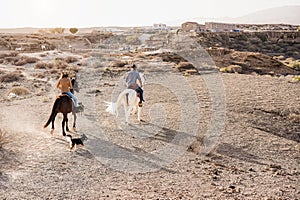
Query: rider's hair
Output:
(133,66)
(64,75)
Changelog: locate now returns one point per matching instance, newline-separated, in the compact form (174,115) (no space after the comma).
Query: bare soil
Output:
(256,155)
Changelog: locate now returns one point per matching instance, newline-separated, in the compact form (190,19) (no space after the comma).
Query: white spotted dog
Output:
(74,142)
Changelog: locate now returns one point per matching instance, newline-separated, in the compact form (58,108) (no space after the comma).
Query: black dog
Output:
(73,142)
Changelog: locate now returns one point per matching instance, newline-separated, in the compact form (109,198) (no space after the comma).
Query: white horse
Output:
(130,101)
(43,47)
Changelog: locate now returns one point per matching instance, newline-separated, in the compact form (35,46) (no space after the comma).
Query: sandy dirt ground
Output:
(207,136)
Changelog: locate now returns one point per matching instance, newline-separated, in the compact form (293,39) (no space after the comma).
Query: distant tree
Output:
(73,30)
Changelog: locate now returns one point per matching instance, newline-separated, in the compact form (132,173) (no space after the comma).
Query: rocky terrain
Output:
(205,134)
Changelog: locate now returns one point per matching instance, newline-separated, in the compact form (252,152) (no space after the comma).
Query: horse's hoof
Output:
(52,131)
(74,129)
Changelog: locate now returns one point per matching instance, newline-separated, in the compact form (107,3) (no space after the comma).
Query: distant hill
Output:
(277,15)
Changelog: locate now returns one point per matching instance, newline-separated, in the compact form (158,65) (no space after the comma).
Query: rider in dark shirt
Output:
(131,81)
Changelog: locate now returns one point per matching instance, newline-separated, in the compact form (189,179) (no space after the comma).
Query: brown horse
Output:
(63,104)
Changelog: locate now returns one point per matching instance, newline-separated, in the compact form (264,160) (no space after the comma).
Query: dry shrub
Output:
(10,60)
(118,63)
(55,73)
(70,59)
(74,68)
(183,66)
(60,64)
(294,117)
(26,60)
(231,69)
(43,55)
(9,54)
(20,91)
(43,65)
(295,65)
(11,77)
(39,75)
(3,138)
(86,55)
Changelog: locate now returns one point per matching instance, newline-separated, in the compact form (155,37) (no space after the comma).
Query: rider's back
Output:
(132,77)
(65,85)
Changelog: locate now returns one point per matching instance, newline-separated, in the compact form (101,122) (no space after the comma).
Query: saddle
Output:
(135,88)
(78,109)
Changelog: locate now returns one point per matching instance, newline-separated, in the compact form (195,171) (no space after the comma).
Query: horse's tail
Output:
(112,107)
(53,112)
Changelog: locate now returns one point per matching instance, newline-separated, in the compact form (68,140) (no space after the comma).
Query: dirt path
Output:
(254,157)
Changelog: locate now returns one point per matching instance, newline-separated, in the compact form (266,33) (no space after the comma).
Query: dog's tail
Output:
(53,112)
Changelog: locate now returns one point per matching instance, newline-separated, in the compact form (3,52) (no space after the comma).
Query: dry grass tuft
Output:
(231,69)
(118,63)
(183,66)
(39,75)
(3,138)
(19,91)
(60,64)
(294,117)
(8,54)
(43,65)
(11,77)
(70,59)
(26,60)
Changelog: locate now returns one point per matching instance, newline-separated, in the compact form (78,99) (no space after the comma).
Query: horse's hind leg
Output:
(139,113)
(52,123)
(74,122)
(65,123)
(127,112)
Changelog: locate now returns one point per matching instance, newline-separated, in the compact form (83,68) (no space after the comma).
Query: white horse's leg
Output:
(139,113)
(127,112)
(134,109)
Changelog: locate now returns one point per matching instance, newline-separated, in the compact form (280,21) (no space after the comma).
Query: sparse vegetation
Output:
(295,65)
(19,91)
(70,59)
(8,54)
(133,40)
(183,66)
(118,63)
(26,60)
(73,30)
(11,77)
(60,64)
(43,65)
(231,69)
(3,138)
(297,78)
(57,30)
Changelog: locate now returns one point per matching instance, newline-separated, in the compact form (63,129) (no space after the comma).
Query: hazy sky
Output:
(87,13)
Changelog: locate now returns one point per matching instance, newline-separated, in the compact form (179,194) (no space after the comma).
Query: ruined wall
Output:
(269,42)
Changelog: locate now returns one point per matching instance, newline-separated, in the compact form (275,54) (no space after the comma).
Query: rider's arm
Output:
(70,84)
(58,84)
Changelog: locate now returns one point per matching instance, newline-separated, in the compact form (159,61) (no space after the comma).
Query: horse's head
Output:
(75,84)
(142,75)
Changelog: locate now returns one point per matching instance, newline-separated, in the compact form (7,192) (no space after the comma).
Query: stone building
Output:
(219,27)
(192,26)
